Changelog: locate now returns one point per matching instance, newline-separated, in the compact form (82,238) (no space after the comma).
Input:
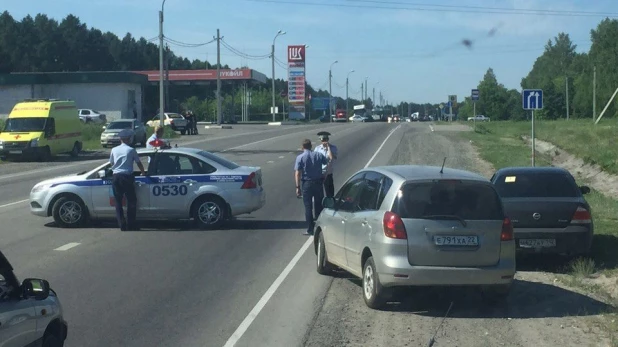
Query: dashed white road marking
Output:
(431,127)
(382,145)
(244,325)
(270,162)
(281,157)
(14,203)
(67,246)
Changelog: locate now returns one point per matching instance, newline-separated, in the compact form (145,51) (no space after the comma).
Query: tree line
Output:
(43,44)
(560,72)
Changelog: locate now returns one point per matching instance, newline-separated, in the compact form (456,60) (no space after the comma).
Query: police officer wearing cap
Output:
(309,181)
(123,182)
(327,170)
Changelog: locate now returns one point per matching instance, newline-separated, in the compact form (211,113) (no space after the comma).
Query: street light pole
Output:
(347,99)
(330,89)
(272,54)
(366,78)
(161,90)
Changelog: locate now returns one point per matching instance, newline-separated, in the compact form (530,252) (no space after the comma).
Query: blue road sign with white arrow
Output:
(532,99)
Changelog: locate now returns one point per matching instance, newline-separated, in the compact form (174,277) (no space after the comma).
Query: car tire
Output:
(45,154)
(209,212)
(75,151)
(323,266)
(373,292)
(51,340)
(69,212)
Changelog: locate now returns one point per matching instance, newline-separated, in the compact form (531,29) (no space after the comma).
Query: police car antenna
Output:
(442,169)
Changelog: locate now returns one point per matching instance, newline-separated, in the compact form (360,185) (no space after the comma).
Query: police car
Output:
(181,183)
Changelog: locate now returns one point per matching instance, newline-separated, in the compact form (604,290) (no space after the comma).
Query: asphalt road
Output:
(252,284)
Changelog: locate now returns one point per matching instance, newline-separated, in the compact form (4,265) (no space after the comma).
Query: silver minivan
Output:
(398,226)
(30,312)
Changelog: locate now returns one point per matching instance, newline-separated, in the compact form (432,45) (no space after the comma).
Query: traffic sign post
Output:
(532,99)
(474,96)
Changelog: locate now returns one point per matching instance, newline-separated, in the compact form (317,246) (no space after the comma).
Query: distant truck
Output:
(361,110)
(340,116)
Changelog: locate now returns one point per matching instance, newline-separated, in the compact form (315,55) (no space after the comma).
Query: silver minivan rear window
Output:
(468,200)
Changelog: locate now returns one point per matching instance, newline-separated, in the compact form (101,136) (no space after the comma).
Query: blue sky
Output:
(410,55)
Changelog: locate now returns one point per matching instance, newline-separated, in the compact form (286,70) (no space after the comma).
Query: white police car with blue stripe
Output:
(181,183)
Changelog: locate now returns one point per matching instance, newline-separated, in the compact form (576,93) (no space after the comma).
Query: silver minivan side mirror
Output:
(328,202)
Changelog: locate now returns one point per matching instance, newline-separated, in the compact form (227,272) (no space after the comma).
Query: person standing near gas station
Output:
(327,170)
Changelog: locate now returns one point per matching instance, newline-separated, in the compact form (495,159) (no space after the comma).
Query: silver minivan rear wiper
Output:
(446,217)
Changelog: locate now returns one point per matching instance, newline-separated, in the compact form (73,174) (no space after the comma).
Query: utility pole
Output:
(366,88)
(594,94)
(219,113)
(567,97)
(362,93)
(272,55)
(330,94)
(373,100)
(347,100)
(167,75)
(161,90)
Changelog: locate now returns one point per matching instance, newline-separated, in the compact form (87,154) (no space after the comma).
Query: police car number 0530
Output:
(169,190)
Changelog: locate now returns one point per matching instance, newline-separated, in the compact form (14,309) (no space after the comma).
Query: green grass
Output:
(500,143)
(91,135)
(595,144)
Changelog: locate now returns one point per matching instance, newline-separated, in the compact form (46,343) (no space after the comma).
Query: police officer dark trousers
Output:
(123,182)
(309,181)
(327,170)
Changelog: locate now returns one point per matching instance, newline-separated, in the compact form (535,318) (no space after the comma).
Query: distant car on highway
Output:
(109,136)
(30,311)
(479,118)
(92,116)
(181,183)
(398,226)
(548,210)
(357,119)
(174,120)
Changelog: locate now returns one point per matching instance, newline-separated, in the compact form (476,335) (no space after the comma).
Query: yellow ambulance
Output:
(40,129)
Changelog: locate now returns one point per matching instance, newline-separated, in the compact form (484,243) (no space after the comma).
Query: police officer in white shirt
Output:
(327,170)
(122,158)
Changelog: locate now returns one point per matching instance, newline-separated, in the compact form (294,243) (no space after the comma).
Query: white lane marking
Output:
(431,127)
(281,157)
(86,162)
(382,145)
(14,203)
(270,162)
(242,328)
(244,325)
(67,246)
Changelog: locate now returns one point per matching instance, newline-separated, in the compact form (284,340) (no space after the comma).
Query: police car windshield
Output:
(219,160)
(15,125)
(119,125)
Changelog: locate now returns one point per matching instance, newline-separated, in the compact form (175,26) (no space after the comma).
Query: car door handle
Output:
(139,184)
(189,182)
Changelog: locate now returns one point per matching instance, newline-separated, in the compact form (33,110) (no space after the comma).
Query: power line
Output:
(486,8)
(242,54)
(388,6)
(184,44)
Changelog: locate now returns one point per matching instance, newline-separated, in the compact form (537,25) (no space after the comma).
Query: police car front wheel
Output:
(69,212)
(209,212)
